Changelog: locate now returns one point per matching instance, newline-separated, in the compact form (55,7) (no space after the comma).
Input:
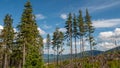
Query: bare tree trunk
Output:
(75,49)
(48,57)
(54,56)
(19,64)
(71,48)
(57,56)
(5,61)
(82,46)
(23,55)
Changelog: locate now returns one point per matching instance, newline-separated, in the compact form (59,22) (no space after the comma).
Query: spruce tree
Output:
(7,39)
(75,33)
(57,41)
(29,38)
(68,33)
(90,30)
(48,42)
(82,31)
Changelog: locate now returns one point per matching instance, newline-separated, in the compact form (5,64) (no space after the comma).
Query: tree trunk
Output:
(82,46)
(75,49)
(23,55)
(5,61)
(19,64)
(71,47)
(57,56)
(48,57)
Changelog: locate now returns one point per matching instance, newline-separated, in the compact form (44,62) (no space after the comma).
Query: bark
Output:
(19,64)
(82,46)
(48,57)
(57,56)
(5,61)
(71,47)
(75,48)
(23,55)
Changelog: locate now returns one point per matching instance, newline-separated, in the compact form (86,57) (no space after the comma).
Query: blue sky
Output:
(53,13)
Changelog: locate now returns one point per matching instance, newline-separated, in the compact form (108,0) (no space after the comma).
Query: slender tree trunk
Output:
(19,66)
(61,56)
(57,56)
(5,61)
(24,55)
(71,48)
(48,57)
(54,56)
(75,49)
(82,46)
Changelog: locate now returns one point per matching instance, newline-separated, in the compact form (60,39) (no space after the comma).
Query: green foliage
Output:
(90,30)
(30,39)
(114,64)
(7,37)
(57,42)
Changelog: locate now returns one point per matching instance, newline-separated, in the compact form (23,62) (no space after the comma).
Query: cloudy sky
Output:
(53,13)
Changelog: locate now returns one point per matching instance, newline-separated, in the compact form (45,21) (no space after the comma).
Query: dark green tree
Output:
(90,31)
(29,38)
(68,33)
(7,37)
(82,31)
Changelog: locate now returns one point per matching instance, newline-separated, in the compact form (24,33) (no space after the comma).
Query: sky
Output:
(105,16)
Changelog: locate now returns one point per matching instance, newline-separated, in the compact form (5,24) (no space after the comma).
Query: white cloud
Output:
(42,32)
(107,34)
(108,39)
(40,16)
(47,26)
(63,16)
(62,29)
(1,27)
(106,23)
(44,40)
(105,46)
(104,5)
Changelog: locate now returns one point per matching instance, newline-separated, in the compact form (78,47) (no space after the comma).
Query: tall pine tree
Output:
(75,32)
(29,38)
(7,39)
(82,31)
(90,30)
(48,42)
(68,34)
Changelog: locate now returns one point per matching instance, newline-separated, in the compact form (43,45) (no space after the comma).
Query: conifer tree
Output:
(29,38)
(75,33)
(82,30)
(90,30)
(7,39)
(68,34)
(57,41)
(48,46)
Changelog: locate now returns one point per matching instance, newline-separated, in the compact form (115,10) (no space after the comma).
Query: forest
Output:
(24,48)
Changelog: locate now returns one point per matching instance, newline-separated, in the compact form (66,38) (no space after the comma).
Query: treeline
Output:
(21,49)
(78,29)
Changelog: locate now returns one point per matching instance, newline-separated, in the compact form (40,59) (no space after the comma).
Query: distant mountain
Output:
(86,53)
(67,56)
(113,49)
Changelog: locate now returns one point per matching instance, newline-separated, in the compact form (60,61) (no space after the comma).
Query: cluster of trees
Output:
(21,49)
(78,28)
